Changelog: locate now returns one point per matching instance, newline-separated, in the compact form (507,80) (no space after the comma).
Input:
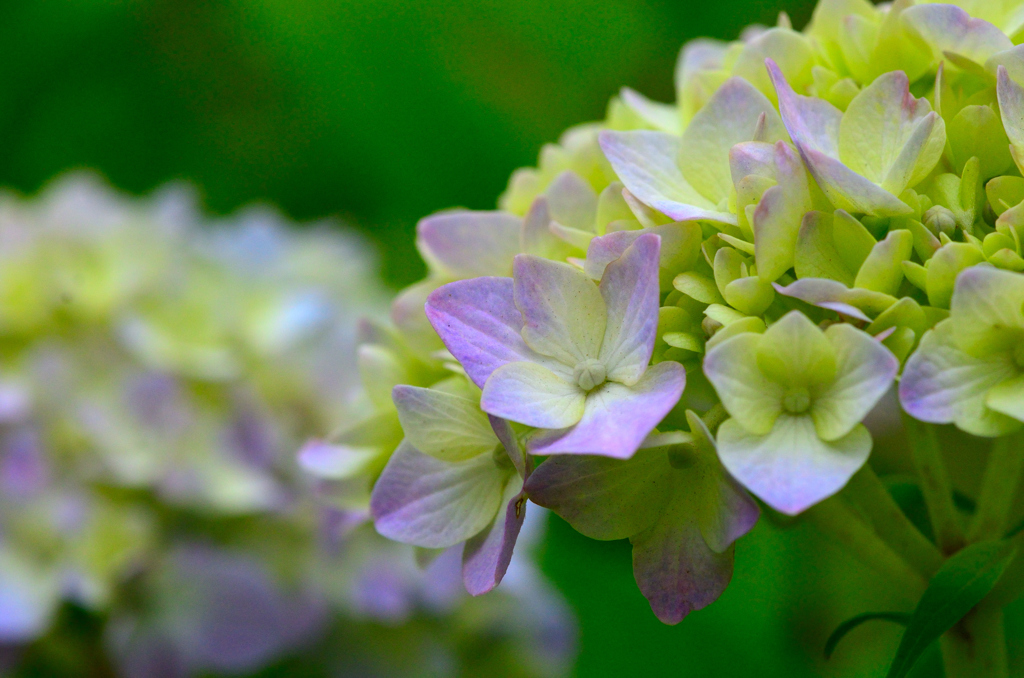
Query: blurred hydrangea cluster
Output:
(687,310)
(159,372)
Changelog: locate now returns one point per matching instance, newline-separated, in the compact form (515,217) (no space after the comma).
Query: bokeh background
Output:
(380,112)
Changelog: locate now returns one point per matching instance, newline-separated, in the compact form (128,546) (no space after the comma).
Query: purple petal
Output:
(791,468)
(617,418)
(426,502)
(631,293)
(674,568)
(812,123)
(487,555)
(479,323)
(470,244)
(835,296)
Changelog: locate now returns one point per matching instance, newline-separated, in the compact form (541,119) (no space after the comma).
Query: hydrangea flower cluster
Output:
(159,371)
(684,314)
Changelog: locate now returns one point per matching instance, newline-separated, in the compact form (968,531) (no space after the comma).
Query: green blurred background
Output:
(380,112)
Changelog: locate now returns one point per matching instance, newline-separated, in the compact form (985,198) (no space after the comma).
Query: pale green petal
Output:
(531,394)
(944,267)
(1008,397)
(795,352)
(882,271)
(988,311)
(746,393)
(443,425)
(730,117)
(866,370)
(889,136)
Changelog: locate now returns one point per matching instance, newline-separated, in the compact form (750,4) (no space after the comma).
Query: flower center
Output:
(589,374)
(796,400)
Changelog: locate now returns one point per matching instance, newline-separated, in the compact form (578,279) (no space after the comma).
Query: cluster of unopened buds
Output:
(681,318)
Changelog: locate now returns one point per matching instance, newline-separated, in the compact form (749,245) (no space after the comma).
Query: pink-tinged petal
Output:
(791,468)
(469,244)
(1011,107)
(949,29)
(646,164)
(778,215)
(604,498)
(571,201)
(479,323)
(630,290)
(835,296)
(617,418)
(752,158)
(941,384)
(486,556)
(564,316)
(814,126)
(674,567)
(850,191)
(426,502)
(680,248)
(503,430)
(606,249)
(531,394)
(812,123)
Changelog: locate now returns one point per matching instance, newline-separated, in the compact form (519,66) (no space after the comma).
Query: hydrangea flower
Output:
(816,212)
(968,369)
(555,351)
(457,477)
(796,396)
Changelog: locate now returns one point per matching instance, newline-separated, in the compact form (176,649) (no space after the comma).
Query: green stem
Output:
(935,485)
(976,647)
(998,488)
(891,524)
(837,521)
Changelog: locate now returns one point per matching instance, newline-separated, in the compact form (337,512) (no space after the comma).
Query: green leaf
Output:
(854,622)
(956,588)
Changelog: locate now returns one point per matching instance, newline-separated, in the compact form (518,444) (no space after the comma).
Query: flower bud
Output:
(940,219)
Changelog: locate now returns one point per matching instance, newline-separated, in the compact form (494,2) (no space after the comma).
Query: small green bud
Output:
(797,400)
(589,374)
(940,219)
